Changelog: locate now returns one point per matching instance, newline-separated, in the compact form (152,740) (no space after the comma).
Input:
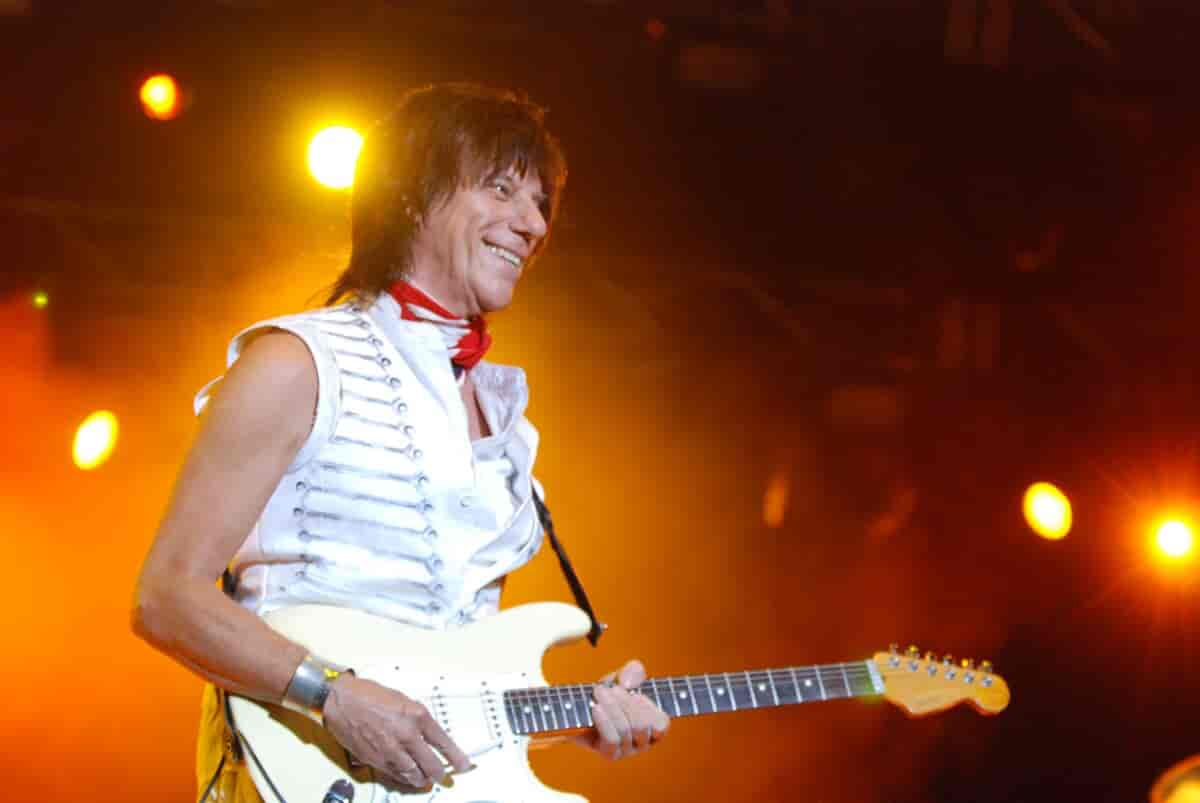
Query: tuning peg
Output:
(894,648)
(985,667)
(930,658)
(967,664)
(948,662)
(913,651)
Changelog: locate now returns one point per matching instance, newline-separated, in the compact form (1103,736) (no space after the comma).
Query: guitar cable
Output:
(239,745)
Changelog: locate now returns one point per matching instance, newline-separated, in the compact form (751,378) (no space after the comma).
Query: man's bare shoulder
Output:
(273,383)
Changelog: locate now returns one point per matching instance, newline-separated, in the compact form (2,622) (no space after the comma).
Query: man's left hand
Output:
(627,722)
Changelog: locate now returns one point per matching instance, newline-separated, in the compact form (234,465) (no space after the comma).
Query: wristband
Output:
(309,687)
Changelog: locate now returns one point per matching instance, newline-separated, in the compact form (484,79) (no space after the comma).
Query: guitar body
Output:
(484,685)
(459,675)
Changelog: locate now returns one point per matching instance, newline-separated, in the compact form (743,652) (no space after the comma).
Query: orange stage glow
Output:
(160,97)
(1047,511)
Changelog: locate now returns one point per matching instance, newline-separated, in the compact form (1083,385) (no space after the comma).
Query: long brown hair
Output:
(437,139)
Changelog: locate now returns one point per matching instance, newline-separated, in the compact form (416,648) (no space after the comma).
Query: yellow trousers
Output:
(233,785)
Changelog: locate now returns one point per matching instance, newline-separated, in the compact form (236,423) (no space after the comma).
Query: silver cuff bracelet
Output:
(309,687)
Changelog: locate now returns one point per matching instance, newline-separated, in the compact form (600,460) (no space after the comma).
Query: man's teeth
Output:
(505,254)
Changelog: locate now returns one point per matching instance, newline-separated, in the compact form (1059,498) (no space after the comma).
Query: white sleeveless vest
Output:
(389,507)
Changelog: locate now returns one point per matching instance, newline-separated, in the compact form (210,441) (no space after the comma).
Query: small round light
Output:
(1047,511)
(95,440)
(1174,539)
(40,299)
(160,97)
(332,155)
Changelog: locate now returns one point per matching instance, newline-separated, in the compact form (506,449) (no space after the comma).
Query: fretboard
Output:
(556,708)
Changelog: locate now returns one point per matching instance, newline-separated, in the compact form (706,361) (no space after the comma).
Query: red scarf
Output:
(466,339)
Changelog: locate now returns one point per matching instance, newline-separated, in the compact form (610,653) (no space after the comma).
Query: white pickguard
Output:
(459,675)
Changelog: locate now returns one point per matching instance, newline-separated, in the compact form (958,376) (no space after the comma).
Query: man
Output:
(363,455)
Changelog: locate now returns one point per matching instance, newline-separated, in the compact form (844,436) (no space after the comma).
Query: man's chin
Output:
(497,300)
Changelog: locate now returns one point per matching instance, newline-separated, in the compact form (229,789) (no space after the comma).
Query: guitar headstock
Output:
(925,685)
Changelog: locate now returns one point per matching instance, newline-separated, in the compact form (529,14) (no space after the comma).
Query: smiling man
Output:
(365,456)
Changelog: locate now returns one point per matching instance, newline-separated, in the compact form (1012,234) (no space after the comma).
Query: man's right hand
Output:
(390,731)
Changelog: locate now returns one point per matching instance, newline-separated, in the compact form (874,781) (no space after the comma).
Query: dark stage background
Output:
(832,284)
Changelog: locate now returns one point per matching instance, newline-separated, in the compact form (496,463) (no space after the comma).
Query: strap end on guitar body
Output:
(581,598)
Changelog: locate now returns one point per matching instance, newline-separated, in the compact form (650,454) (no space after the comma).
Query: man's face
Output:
(470,250)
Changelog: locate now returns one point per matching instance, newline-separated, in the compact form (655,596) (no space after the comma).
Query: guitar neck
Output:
(548,709)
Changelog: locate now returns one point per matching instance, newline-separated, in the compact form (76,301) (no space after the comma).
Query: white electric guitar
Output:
(484,684)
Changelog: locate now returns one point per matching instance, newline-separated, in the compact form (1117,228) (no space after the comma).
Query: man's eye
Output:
(501,188)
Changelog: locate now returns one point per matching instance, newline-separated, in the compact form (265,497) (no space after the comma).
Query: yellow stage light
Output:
(160,97)
(95,439)
(1174,539)
(1047,510)
(332,154)
(41,299)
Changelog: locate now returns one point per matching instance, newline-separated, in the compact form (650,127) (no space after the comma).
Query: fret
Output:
(796,683)
(846,680)
(750,687)
(527,719)
(771,682)
(548,706)
(564,707)
(729,688)
(711,697)
(831,684)
(657,698)
(820,685)
(865,685)
(511,712)
(585,693)
(538,713)
(674,701)
(585,705)
(787,694)
(691,694)
(579,703)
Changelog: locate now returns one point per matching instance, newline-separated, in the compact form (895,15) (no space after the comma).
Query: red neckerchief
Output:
(466,339)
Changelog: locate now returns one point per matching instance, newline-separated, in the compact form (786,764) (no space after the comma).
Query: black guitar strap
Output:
(581,597)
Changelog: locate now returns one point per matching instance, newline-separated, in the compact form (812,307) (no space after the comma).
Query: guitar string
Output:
(550,698)
(528,706)
(758,677)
